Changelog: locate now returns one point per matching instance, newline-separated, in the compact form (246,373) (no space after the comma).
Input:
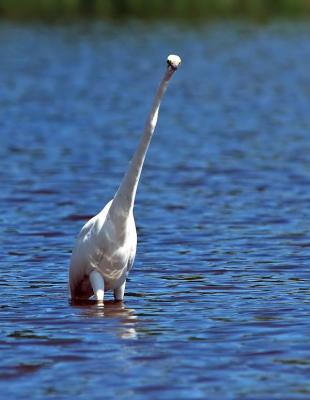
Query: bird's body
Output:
(106,246)
(101,246)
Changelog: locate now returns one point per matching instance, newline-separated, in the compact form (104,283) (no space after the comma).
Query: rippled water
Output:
(217,306)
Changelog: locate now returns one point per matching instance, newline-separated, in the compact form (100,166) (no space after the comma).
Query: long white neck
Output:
(124,198)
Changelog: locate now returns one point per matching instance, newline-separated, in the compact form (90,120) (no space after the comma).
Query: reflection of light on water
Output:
(126,316)
(129,333)
(111,309)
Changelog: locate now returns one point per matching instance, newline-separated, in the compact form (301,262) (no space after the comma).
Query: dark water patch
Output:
(26,334)
(19,371)
(45,234)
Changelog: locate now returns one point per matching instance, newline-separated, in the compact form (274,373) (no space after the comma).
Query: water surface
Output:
(217,306)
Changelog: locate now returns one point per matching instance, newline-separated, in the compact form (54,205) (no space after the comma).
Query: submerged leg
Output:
(97,283)
(119,292)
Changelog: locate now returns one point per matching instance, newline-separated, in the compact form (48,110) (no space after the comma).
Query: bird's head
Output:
(173,62)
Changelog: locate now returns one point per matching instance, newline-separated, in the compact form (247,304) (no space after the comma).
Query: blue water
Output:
(217,306)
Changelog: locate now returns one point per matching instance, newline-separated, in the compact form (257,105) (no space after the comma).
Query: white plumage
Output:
(106,246)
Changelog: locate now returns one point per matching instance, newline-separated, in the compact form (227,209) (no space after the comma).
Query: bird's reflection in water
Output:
(111,309)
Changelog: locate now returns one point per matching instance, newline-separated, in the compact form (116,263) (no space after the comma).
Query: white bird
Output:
(106,246)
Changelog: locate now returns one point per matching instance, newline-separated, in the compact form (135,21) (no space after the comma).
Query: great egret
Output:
(106,246)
